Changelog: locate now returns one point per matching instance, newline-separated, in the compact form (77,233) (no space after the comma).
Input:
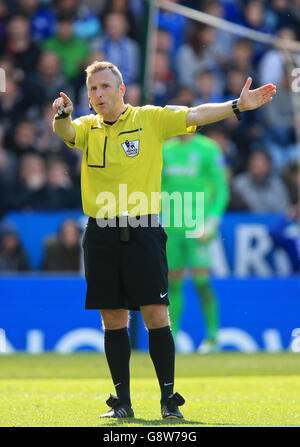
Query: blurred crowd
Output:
(45,46)
(61,252)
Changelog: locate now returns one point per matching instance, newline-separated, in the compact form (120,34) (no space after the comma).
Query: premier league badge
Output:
(131,148)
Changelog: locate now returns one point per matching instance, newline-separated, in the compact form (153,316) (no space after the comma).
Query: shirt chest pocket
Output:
(96,150)
(130,142)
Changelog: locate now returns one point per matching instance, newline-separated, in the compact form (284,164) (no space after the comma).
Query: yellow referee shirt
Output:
(122,163)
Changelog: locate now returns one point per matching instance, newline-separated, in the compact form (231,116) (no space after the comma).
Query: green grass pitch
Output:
(226,389)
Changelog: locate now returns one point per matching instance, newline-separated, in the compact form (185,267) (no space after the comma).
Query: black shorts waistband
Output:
(147,220)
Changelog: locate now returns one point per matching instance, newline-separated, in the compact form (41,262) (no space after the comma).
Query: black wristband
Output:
(62,116)
(235,109)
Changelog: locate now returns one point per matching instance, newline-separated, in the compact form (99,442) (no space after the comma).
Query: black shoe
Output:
(118,409)
(169,408)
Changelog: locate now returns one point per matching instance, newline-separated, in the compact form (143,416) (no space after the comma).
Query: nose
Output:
(99,92)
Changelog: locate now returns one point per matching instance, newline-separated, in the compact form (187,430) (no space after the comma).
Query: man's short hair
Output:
(103,65)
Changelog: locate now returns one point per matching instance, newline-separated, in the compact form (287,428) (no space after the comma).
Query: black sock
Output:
(162,353)
(117,351)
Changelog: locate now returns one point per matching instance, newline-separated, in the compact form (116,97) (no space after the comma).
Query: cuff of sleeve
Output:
(190,129)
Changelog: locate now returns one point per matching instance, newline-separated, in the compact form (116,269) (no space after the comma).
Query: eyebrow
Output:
(100,83)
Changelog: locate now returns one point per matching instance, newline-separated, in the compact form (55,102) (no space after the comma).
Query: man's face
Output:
(18,28)
(106,96)
(115,26)
(65,30)
(259,167)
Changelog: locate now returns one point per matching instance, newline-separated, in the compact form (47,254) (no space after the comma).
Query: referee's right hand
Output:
(63,101)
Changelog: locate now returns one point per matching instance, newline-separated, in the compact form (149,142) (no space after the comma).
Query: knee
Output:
(202,282)
(114,318)
(155,316)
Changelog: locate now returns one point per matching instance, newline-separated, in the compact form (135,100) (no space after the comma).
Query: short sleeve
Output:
(81,126)
(170,121)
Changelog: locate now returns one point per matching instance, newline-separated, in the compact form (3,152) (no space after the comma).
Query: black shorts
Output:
(125,275)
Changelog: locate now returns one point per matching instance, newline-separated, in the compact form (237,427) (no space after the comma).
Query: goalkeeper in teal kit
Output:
(194,163)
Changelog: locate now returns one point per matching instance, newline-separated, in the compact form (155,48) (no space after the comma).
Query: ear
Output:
(123,89)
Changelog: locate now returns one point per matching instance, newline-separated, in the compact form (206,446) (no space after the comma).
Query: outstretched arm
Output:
(248,100)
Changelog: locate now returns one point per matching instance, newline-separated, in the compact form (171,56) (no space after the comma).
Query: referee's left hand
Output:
(252,99)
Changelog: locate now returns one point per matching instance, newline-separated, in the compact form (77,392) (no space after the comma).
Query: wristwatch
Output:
(61,114)
(235,109)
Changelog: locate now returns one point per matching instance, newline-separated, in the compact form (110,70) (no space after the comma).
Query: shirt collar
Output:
(122,117)
(125,113)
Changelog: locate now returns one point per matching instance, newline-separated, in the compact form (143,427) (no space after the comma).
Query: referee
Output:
(125,263)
